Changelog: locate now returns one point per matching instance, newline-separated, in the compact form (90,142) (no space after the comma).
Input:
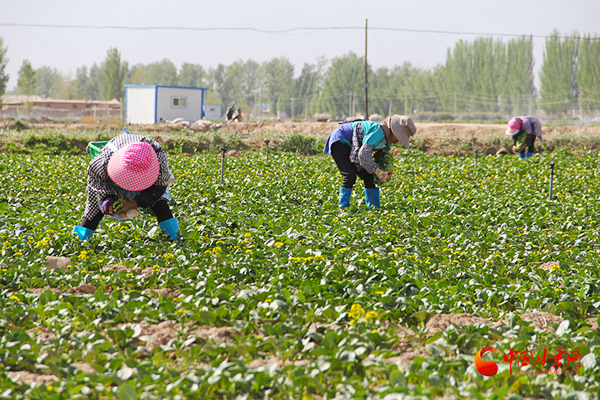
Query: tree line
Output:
(486,78)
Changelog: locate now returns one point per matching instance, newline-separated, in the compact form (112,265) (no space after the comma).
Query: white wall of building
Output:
(141,104)
(189,107)
(213,111)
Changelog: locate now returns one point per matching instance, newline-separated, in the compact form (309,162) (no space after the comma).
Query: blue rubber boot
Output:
(170,227)
(522,156)
(345,195)
(528,155)
(372,196)
(82,232)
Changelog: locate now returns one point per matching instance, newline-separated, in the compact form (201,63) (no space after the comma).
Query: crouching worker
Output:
(352,145)
(131,171)
(523,131)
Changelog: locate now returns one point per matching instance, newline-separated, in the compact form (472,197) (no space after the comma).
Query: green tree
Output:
(389,89)
(558,74)
(26,83)
(518,92)
(64,87)
(302,91)
(278,75)
(345,77)
(220,85)
(139,75)
(162,73)
(95,82)
(190,75)
(3,62)
(46,77)
(588,75)
(114,75)
(250,80)
(81,84)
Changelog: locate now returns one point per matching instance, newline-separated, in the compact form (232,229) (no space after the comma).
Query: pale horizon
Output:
(68,48)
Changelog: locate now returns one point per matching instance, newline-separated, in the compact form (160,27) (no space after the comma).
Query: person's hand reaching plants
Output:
(383,176)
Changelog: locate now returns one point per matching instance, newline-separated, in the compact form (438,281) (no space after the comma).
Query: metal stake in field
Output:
(551,178)
(267,143)
(474,151)
(224,150)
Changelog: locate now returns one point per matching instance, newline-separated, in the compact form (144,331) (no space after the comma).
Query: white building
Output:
(213,111)
(155,104)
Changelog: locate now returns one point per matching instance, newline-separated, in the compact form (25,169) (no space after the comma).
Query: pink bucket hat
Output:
(514,126)
(134,167)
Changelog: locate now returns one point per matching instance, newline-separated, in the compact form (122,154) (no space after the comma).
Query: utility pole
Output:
(366,73)
(293,108)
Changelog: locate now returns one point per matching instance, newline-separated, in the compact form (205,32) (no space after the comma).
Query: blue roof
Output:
(166,86)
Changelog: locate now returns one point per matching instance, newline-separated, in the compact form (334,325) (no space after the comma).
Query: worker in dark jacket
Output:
(131,170)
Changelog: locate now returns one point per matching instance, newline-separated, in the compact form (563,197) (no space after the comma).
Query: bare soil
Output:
(433,138)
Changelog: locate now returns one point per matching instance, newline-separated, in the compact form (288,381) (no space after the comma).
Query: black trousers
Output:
(341,155)
(528,145)
(161,209)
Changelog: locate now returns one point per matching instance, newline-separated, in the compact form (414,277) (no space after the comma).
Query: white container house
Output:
(213,111)
(157,104)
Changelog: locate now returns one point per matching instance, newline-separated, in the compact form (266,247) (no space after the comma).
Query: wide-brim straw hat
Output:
(134,167)
(402,127)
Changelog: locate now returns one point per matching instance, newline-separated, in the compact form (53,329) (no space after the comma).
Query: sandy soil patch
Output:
(442,321)
(542,319)
(29,378)
(162,333)
(548,266)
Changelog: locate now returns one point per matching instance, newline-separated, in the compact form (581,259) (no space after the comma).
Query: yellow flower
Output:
(15,298)
(43,242)
(169,255)
(83,255)
(372,315)
(278,244)
(356,310)
(247,235)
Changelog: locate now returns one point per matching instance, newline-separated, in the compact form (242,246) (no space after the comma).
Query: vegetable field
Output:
(275,292)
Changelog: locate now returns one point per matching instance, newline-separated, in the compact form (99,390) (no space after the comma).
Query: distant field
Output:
(440,139)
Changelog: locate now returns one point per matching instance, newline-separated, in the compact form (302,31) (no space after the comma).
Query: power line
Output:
(278,31)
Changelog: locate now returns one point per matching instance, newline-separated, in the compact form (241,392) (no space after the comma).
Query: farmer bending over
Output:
(352,144)
(131,170)
(523,131)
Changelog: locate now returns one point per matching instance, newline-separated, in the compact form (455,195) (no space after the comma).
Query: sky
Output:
(70,48)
